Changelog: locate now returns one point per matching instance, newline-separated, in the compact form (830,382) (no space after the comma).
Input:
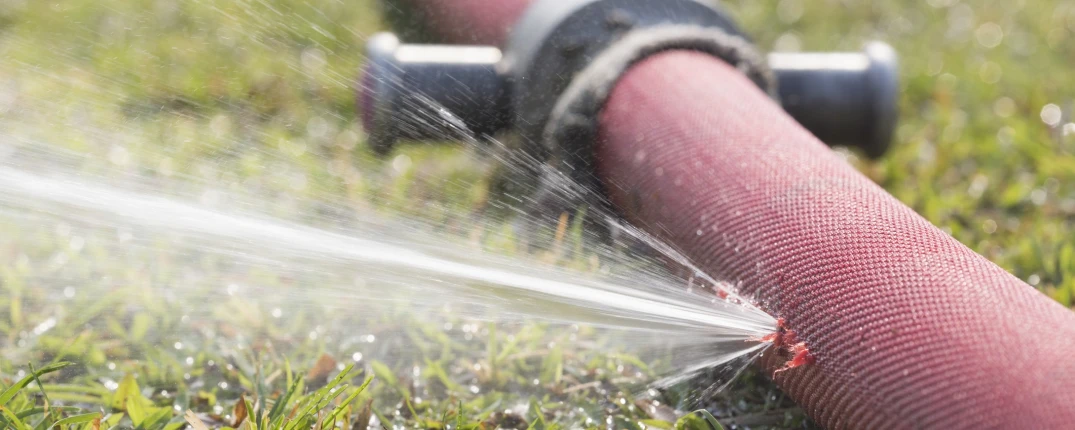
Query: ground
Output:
(256,97)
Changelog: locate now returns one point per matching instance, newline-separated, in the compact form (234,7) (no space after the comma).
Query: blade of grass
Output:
(256,422)
(319,399)
(76,419)
(44,394)
(39,410)
(156,419)
(710,419)
(12,420)
(11,391)
(260,385)
(281,403)
(335,412)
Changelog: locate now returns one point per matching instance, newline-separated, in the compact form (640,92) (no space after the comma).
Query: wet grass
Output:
(256,96)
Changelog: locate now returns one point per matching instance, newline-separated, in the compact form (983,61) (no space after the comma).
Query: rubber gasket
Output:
(572,126)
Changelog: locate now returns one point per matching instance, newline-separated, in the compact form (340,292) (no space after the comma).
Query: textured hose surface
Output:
(469,22)
(910,328)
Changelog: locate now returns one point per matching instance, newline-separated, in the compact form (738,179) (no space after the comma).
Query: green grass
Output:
(255,96)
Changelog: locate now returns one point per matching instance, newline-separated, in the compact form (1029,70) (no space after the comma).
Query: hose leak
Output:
(207,248)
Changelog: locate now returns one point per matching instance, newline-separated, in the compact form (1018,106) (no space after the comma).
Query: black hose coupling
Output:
(419,92)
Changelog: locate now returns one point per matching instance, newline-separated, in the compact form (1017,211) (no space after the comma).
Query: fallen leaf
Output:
(239,412)
(324,366)
(194,421)
(362,422)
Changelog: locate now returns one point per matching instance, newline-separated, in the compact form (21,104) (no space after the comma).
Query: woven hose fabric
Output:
(909,328)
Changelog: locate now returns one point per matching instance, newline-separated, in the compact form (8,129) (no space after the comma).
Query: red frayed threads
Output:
(787,342)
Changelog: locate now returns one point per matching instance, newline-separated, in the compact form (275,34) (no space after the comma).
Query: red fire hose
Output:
(909,327)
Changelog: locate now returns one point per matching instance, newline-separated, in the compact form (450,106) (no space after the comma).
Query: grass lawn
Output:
(253,99)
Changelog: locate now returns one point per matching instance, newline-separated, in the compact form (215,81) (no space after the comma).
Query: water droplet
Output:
(45,326)
(348,139)
(317,127)
(220,125)
(356,357)
(119,155)
(1038,197)
(1004,107)
(401,163)
(474,389)
(178,345)
(277,313)
(787,42)
(989,35)
(1050,114)
(978,186)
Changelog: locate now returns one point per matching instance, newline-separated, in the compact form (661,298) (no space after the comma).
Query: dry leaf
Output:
(194,421)
(239,412)
(324,366)
(362,422)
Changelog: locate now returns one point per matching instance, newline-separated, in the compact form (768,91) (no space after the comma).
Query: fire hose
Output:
(667,109)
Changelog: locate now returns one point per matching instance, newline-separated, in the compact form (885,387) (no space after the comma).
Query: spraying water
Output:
(433,272)
(206,233)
